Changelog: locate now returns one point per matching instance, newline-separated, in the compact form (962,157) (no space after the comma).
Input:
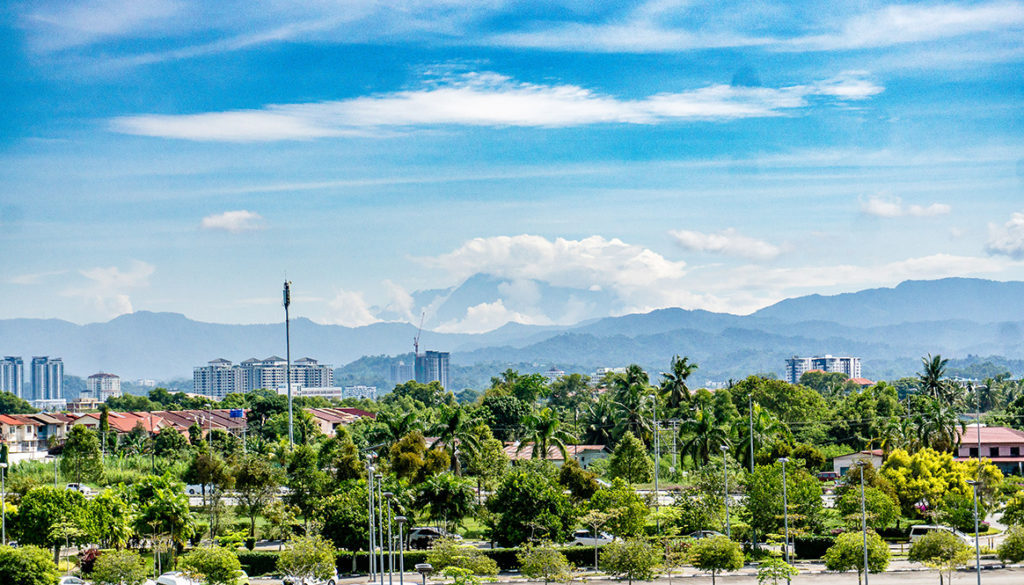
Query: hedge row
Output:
(505,558)
(812,546)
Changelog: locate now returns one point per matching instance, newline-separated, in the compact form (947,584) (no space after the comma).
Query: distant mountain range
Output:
(889,328)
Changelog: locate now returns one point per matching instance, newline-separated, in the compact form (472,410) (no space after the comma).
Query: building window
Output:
(1015,451)
(993,451)
(974,451)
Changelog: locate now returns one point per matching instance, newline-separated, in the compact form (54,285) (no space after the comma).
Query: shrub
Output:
(308,558)
(632,559)
(715,554)
(28,565)
(812,546)
(543,561)
(258,563)
(940,550)
(774,570)
(1012,548)
(211,565)
(119,567)
(446,552)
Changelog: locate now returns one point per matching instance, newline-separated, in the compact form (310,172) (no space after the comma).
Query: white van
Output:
(920,530)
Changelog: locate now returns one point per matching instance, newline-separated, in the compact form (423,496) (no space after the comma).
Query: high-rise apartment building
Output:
(12,375)
(102,386)
(47,382)
(220,377)
(797,366)
(432,366)
(400,373)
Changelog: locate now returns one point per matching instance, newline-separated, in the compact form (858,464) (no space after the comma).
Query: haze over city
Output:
(190,156)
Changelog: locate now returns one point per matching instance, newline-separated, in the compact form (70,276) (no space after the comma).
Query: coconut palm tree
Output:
(766,429)
(932,372)
(391,426)
(673,385)
(600,421)
(631,398)
(704,436)
(454,431)
(939,425)
(544,430)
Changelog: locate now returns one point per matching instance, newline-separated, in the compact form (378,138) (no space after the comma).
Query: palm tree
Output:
(939,426)
(899,433)
(766,428)
(544,430)
(674,383)
(392,426)
(454,432)
(934,369)
(599,421)
(704,436)
(631,392)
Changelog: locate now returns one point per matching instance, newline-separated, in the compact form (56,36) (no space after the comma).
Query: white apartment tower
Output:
(432,366)
(797,366)
(102,386)
(12,375)
(220,377)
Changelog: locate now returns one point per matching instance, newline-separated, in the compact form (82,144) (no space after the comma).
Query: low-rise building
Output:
(1001,445)
(843,463)
(20,432)
(584,454)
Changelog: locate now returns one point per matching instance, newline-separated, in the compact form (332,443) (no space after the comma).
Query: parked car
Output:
(332,580)
(241,577)
(175,578)
(195,489)
(80,488)
(584,537)
(919,530)
(71,580)
(828,476)
(423,536)
(698,534)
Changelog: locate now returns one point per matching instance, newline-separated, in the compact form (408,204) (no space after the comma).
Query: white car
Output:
(71,580)
(332,580)
(80,488)
(583,537)
(195,489)
(175,578)
(919,530)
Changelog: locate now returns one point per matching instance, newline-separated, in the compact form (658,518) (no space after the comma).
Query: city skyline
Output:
(170,156)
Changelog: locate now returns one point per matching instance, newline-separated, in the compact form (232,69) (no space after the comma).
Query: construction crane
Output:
(416,340)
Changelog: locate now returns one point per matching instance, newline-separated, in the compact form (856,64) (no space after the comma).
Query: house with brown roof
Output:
(1001,445)
(328,419)
(584,454)
(20,432)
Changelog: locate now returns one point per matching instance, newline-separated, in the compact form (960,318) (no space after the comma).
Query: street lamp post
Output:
(373,531)
(657,460)
(288,362)
(977,546)
(380,526)
(725,488)
(3,499)
(388,497)
(401,550)
(785,509)
(864,518)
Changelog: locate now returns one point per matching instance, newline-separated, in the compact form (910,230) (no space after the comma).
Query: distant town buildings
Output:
(12,376)
(220,377)
(102,386)
(47,383)
(798,366)
(432,366)
(553,374)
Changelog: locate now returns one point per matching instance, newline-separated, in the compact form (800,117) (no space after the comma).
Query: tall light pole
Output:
(725,488)
(373,531)
(977,546)
(288,360)
(401,550)
(785,508)
(750,406)
(3,500)
(380,517)
(864,518)
(657,460)
(388,497)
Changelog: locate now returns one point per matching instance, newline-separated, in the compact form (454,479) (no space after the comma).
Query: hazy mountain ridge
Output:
(975,317)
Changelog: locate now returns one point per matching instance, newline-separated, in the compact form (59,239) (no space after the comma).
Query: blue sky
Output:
(171,155)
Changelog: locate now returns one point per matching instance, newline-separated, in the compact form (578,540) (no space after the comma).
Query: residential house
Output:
(1001,445)
(843,463)
(20,432)
(584,454)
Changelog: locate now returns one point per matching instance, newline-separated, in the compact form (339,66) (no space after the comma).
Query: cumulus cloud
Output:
(893,207)
(560,262)
(487,317)
(493,100)
(349,308)
(233,221)
(1007,240)
(727,242)
(108,287)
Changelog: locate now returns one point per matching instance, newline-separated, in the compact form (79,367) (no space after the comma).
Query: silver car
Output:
(585,537)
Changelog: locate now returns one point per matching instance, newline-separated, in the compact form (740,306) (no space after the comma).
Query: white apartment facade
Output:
(102,386)
(798,366)
(220,377)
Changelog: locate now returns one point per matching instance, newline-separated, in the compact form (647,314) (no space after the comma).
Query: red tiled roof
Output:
(992,436)
(862,381)
(358,412)
(513,451)
(15,420)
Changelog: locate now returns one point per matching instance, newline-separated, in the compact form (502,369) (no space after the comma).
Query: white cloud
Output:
(487,317)
(350,309)
(233,221)
(727,242)
(35,277)
(894,207)
(560,262)
(108,287)
(489,99)
(1007,240)
(399,301)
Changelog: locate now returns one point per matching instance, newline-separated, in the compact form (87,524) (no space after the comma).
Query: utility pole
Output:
(288,358)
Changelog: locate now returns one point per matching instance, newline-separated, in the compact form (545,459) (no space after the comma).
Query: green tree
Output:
(1012,548)
(307,558)
(448,553)
(881,509)
(570,391)
(933,371)
(455,430)
(119,567)
(848,553)
(940,550)
(764,509)
(927,475)
(530,505)
(342,454)
(12,404)
(505,414)
(673,384)
(704,434)
(170,443)
(42,509)
(630,461)
(81,456)
(582,484)
(256,483)
(307,484)
(1013,512)
(715,554)
(773,570)
(489,462)
(542,431)
(627,510)
(790,403)
(632,559)
(108,519)
(344,517)
(162,511)
(699,509)
(211,565)
(544,561)
(27,565)
(407,455)
(449,497)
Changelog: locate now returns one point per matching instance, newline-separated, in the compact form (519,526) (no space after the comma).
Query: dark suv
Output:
(424,536)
